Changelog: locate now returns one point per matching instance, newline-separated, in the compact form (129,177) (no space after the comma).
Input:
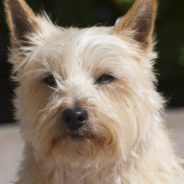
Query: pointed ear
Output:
(139,20)
(21,21)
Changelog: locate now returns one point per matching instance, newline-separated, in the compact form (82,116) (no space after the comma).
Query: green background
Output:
(81,13)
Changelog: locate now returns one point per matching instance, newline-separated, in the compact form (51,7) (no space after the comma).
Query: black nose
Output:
(75,117)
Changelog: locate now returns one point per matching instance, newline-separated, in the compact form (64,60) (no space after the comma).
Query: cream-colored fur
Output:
(125,141)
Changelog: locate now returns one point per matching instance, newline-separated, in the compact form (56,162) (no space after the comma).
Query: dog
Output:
(86,100)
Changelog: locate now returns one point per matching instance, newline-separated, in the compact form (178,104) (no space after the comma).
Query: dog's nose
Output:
(75,118)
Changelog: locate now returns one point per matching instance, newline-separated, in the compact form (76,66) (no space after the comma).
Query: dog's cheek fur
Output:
(29,94)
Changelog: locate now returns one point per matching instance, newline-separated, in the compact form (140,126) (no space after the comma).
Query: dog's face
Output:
(83,94)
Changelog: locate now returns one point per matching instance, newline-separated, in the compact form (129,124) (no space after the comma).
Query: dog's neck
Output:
(59,173)
(91,175)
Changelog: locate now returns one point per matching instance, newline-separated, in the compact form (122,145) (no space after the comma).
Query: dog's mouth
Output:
(78,135)
(72,136)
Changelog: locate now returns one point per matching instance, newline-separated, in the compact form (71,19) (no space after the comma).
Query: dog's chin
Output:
(76,144)
(72,145)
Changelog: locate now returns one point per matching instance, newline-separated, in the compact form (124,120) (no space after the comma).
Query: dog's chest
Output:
(85,177)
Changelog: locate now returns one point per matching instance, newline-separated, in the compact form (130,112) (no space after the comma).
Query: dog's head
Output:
(84,94)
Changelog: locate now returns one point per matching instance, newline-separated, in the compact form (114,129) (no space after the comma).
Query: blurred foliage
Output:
(81,13)
(181,59)
(123,2)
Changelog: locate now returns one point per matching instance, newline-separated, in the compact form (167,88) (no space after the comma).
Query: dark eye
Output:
(105,79)
(49,80)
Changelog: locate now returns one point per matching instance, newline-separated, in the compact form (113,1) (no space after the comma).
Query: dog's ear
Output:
(21,21)
(139,21)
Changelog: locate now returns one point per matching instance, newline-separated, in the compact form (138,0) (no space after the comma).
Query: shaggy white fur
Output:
(124,141)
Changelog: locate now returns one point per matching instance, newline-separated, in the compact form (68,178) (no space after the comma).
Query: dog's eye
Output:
(50,80)
(105,79)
